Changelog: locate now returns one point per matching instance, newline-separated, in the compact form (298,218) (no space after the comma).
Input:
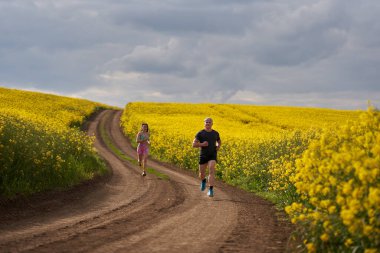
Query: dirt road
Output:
(125,212)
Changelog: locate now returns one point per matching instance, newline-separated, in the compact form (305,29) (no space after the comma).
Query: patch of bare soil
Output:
(125,212)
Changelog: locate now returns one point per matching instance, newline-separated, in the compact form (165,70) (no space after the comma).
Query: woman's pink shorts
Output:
(142,150)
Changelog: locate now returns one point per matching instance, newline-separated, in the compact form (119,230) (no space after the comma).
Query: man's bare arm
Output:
(197,144)
(219,144)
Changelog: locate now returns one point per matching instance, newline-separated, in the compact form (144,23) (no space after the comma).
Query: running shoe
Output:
(203,185)
(210,192)
(143,174)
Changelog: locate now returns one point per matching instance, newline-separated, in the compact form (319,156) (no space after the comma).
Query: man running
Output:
(209,141)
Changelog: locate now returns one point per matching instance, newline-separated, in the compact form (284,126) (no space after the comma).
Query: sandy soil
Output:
(125,212)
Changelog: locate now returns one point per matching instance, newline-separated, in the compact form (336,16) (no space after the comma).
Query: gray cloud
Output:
(184,20)
(195,51)
(292,36)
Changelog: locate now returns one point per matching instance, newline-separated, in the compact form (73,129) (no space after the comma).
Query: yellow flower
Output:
(347,188)
(340,200)
(347,216)
(348,242)
(371,251)
(324,237)
(367,230)
(332,209)
(288,209)
(374,196)
(310,247)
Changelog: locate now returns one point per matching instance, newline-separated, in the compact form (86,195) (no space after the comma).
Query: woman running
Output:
(142,139)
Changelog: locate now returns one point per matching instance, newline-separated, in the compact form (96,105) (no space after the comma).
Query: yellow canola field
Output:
(41,146)
(45,108)
(321,164)
(252,136)
(337,180)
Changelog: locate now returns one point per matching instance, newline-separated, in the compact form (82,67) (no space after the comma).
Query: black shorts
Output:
(206,158)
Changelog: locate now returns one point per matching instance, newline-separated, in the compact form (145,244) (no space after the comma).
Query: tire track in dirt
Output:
(129,213)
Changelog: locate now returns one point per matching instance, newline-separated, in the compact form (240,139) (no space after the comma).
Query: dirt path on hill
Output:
(124,212)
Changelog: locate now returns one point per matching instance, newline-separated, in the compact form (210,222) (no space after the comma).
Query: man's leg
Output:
(202,171)
(211,176)
(202,175)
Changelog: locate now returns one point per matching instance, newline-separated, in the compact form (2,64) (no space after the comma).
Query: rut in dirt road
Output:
(125,212)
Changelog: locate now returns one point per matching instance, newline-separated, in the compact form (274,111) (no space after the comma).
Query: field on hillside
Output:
(319,164)
(41,146)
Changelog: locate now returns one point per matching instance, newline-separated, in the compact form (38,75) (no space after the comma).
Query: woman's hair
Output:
(147,127)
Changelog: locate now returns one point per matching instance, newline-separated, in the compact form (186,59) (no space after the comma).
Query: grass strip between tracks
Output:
(107,140)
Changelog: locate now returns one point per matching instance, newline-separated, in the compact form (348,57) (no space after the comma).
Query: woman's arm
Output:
(138,138)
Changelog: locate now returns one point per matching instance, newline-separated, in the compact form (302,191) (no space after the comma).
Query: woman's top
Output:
(143,136)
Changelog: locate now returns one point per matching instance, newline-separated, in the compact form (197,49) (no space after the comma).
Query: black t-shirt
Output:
(211,137)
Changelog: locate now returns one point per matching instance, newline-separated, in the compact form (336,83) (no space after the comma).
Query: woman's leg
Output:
(140,159)
(145,158)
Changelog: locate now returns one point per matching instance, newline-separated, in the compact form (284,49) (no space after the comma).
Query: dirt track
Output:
(125,212)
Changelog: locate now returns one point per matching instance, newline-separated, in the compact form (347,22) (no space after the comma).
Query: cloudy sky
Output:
(319,53)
